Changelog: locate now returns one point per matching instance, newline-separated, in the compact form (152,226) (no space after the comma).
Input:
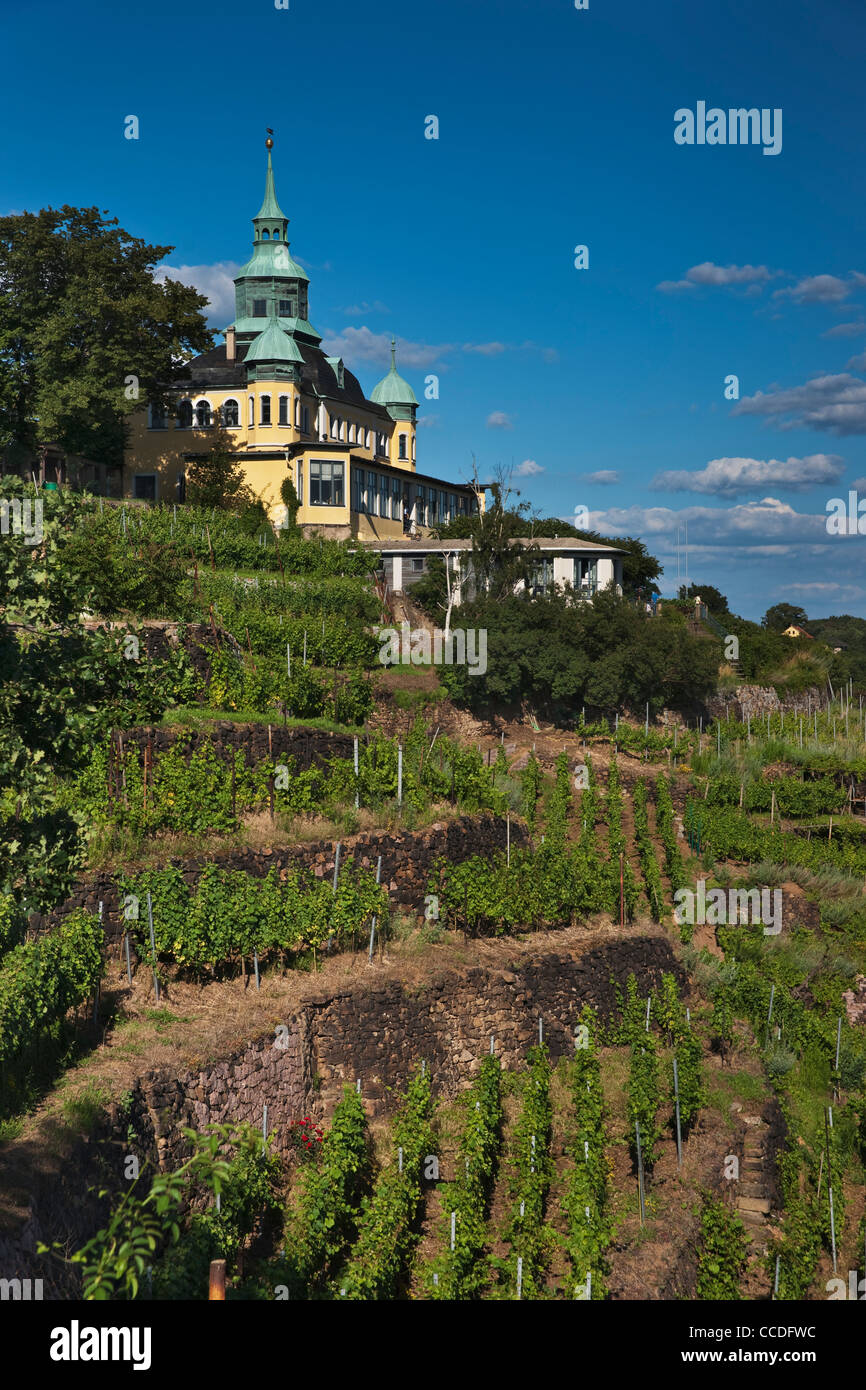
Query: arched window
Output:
(284,410)
(252,411)
(184,415)
(157,416)
(266,235)
(203,415)
(265,417)
(231,414)
(403,446)
(276,233)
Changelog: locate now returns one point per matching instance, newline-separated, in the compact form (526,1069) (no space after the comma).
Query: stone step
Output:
(762,1204)
(752,1218)
(751,1189)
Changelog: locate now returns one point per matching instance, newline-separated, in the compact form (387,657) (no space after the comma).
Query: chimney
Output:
(230,345)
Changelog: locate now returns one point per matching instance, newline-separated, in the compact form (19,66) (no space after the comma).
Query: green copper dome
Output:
(392,389)
(272,259)
(273,345)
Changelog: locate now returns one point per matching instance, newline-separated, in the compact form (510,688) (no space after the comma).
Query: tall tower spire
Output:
(272,285)
(270,221)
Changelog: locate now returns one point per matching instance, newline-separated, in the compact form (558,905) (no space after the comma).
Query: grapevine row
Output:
(388,1222)
(460,1273)
(231,914)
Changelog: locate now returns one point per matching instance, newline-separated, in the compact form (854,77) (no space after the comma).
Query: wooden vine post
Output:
(217,1281)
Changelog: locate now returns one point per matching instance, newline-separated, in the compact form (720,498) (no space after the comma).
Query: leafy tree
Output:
(559,654)
(86,332)
(253,518)
(62,687)
(712,597)
(289,499)
(782,615)
(139,576)
(217,479)
(499,564)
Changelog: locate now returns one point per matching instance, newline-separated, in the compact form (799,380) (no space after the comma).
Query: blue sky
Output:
(604,387)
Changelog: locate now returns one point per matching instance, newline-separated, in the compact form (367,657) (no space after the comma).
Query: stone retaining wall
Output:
(377,1035)
(407,861)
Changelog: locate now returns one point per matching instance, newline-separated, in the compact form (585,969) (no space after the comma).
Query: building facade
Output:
(558,563)
(273,397)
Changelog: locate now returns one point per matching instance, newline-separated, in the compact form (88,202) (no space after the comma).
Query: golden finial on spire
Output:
(269,144)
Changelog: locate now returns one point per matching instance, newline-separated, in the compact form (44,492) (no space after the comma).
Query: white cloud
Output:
(836,403)
(857,363)
(428,422)
(828,589)
(356,310)
(527,468)
(215,282)
(727,477)
(719,276)
(859,485)
(486,349)
(816,289)
(498,420)
(362,345)
(845,330)
(604,477)
(768,524)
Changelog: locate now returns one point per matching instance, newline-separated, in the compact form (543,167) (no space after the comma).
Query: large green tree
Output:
(712,597)
(86,332)
(782,615)
(558,655)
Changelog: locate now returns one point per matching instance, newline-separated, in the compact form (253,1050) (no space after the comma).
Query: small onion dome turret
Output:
(393,389)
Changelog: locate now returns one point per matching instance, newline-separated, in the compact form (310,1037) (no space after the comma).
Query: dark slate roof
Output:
(211,369)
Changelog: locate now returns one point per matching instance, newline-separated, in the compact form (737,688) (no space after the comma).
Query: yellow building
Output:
(287,409)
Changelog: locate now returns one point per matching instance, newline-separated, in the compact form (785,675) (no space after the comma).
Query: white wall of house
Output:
(563,569)
(605,571)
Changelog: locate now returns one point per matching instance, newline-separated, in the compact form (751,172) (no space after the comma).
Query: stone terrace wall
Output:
(377,1035)
(407,861)
(756,701)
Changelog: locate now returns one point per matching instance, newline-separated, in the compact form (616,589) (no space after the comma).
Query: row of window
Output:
(202,417)
(283,308)
(347,432)
(228,415)
(376,494)
(372,493)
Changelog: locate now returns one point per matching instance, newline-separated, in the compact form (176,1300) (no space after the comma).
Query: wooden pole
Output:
(640,1175)
(677,1102)
(217,1281)
(152,946)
